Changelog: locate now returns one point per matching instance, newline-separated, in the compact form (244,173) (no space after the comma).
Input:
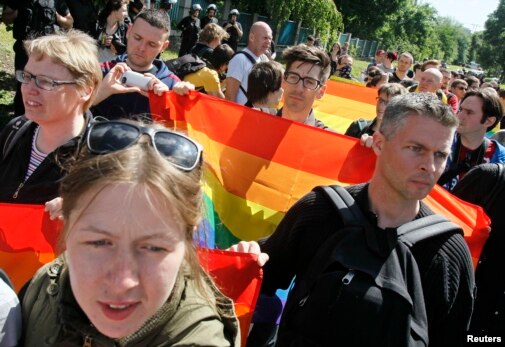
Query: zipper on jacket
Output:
(303,301)
(87,341)
(346,280)
(15,195)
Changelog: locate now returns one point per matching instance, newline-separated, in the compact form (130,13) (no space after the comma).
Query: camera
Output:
(135,79)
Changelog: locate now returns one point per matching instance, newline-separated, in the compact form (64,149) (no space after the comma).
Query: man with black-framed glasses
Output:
(307,70)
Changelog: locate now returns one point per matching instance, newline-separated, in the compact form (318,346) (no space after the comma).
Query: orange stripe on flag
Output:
(295,145)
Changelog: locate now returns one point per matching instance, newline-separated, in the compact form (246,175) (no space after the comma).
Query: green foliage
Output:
(411,29)
(322,15)
(475,46)
(492,52)
(454,40)
(365,18)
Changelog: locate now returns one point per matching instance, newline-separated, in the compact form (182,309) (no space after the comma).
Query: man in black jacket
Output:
(190,26)
(412,146)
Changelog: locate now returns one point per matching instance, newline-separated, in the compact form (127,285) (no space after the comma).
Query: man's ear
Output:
(321,91)
(378,142)
(165,45)
(489,121)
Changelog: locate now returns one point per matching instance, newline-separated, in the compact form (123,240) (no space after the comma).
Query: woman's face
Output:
(59,105)
(121,13)
(124,253)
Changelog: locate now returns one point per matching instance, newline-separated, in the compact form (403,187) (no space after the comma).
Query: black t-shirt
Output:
(190,28)
(84,14)
(234,37)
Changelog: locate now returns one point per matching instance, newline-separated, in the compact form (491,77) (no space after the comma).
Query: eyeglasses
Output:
(461,88)
(42,82)
(111,136)
(308,82)
(381,101)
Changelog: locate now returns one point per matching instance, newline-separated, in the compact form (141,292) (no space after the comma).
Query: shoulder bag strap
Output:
(425,228)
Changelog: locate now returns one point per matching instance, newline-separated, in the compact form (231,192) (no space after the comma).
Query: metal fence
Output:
(288,32)
(362,48)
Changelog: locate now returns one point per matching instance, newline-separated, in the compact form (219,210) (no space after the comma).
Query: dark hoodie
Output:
(129,105)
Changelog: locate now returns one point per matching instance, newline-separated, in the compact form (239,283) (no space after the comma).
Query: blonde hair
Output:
(212,31)
(140,166)
(74,50)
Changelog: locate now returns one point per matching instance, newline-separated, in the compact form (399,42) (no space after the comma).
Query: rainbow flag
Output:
(29,239)
(259,165)
(345,102)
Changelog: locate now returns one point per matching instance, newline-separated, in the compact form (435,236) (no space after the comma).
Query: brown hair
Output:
(310,55)
(392,89)
(427,63)
(264,78)
(491,105)
(212,31)
(140,166)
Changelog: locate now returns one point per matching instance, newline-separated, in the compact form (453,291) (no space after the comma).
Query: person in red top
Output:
(452,99)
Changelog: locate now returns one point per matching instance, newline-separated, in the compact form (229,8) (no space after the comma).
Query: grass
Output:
(7,84)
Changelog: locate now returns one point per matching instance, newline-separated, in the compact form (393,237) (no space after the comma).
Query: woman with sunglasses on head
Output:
(129,274)
(58,85)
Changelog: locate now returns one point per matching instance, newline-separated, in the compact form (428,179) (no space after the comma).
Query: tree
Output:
(322,15)
(411,29)
(364,18)
(454,40)
(492,53)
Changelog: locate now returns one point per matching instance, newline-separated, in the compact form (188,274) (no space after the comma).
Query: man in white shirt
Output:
(260,38)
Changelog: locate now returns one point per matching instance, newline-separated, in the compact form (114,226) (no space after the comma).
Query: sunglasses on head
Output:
(111,136)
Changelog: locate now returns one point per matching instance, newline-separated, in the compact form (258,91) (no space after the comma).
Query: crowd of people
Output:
(129,191)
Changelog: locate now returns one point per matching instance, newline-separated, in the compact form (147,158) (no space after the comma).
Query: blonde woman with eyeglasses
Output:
(58,85)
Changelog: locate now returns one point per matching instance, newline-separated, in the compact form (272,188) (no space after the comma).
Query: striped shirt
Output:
(36,157)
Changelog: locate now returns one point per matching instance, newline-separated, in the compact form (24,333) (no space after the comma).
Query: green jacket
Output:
(52,317)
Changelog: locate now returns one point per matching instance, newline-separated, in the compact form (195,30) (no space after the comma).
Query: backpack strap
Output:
(425,228)
(4,277)
(351,215)
(498,187)
(344,204)
(250,57)
(18,126)
(252,60)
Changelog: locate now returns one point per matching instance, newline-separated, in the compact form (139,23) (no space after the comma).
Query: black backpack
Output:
(36,19)
(186,64)
(353,296)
